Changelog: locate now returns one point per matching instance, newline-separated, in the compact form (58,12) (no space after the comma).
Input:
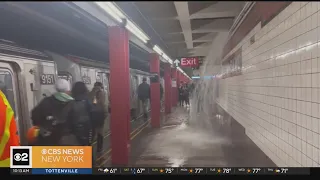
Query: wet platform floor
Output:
(220,142)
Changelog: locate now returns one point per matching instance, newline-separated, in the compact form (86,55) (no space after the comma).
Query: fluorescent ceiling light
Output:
(112,10)
(161,53)
(165,57)
(118,15)
(136,31)
(157,50)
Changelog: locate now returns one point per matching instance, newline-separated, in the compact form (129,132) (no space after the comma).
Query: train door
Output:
(132,102)
(135,100)
(163,93)
(102,77)
(108,80)
(9,87)
(139,81)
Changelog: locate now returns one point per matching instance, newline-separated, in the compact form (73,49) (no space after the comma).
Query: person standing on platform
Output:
(144,96)
(186,94)
(99,113)
(161,96)
(81,114)
(8,131)
(51,116)
(180,91)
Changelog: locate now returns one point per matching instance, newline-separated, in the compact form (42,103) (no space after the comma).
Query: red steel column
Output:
(155,91)
(167,88)
(174,87)
(119,94)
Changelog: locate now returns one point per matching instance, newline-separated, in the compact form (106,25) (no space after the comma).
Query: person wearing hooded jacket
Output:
(51,117)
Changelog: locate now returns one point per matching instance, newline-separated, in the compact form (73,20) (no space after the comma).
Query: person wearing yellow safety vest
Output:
(8,131)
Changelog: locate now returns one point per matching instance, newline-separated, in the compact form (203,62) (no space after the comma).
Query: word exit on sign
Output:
(189,62)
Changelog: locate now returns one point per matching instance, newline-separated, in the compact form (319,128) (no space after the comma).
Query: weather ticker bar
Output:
(202,171)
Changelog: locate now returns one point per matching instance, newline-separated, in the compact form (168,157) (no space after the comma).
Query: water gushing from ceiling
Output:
(198,135)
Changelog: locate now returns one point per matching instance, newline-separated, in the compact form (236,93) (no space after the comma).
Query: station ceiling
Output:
(183,29)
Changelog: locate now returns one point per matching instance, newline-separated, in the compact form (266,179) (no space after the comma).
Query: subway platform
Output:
(178,144)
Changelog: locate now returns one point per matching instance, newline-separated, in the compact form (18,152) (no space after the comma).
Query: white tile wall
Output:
(277,99)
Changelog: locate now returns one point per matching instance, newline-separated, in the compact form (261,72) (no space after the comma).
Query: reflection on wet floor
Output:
(180,143)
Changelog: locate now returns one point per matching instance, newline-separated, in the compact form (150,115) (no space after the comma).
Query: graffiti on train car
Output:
(65,76)
(86,79)
(47,79)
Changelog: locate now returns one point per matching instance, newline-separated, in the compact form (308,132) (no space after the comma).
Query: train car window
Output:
(108,81)
(105,82)
(108,76)
(98,77)
(6,86)
(65,75)
(85,75)
(131,87)
(102,77)
(135,85)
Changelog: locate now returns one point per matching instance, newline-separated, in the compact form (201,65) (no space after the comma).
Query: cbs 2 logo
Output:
(21,157)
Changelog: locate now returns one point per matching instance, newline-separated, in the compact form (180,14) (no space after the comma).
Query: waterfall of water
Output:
(203,108)
(199,136)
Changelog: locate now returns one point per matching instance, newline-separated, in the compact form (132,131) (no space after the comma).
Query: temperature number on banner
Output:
(256,170)
(109,171)
(226,170)
(113,170)
(169,170)
(47,79)
(141,170)
(284,170)
(198,170)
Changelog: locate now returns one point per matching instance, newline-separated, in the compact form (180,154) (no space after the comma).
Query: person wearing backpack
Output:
(50,118)
(99,113)
(81,114)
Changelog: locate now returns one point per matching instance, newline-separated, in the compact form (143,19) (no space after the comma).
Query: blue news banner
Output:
(68,171)
(162,171)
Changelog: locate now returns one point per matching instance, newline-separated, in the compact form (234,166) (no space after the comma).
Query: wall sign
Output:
(233,65)
(174,83)
(189,62)
(47,79)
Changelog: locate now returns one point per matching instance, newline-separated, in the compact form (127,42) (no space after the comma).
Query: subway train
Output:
(27,76)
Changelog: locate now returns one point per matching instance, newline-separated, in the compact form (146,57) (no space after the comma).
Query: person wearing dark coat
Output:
(181,92)
(144,96)
(81,114)
(53,116)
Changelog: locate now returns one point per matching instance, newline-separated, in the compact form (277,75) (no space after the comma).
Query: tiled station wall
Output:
(277,97)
